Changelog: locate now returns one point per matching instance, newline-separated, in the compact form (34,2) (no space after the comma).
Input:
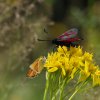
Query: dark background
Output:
(22,22)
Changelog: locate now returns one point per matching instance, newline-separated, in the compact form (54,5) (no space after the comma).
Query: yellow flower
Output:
(52,63)
(87,70)
(96,78)
(79,51)
(57,60)
(70,61)
(88,56)
(62,49)
(75,61)
(74,51)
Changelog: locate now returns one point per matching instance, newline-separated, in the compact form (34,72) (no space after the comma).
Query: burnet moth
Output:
(36,67)
(68,38)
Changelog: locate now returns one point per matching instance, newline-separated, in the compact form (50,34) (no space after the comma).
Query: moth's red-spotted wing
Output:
(68,34)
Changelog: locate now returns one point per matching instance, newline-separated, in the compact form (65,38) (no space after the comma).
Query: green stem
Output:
(46,88)
(73,94)
(54,97)
(62,88)
(77,89)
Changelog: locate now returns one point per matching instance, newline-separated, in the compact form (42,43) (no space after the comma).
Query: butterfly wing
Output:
(36,67)
(68,34)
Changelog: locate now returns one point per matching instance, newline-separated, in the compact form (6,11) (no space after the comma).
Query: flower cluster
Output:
(71,61)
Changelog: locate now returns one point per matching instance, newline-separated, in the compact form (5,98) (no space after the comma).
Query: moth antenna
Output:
(45,31)
(43,40)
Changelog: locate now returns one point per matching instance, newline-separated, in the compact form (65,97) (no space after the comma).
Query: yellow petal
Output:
(96,78)
(63,71)
(73,73)
(53,69)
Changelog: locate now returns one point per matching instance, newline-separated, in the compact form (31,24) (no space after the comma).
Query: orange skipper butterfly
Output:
(36,67)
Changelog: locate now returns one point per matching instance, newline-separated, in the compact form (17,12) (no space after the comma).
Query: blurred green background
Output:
(22,22)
